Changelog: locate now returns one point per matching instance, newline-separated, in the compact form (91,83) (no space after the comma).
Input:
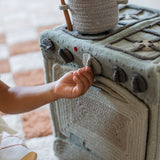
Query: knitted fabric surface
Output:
(127,46)
(102,115)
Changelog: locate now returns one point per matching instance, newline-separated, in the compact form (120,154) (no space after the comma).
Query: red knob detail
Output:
(75,49)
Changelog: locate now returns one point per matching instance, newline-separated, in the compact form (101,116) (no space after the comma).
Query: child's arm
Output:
(23,99)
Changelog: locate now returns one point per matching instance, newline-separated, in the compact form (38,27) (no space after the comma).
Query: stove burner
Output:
(136,15)
(131,16)
(146,45)
(140,45)
(128,19)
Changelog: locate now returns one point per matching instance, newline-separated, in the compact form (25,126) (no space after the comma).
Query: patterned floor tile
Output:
(1,27)
(4,53)
(25,62)
(43,146)
(48,16)
(2,38)
(19,19)
(44,20)
(37,123)
(4,66)
(24,47)
(8,7)
(14,121)
(22,35)
(8,79)
(29,78)
(43,28)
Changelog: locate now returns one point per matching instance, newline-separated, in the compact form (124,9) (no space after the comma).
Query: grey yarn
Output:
(93,16)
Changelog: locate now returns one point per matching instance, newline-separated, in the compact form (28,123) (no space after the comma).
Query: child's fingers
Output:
(87,75)
(89,69)
(67,76)
(79,88)
(83,78)
(85,82)
(78,80)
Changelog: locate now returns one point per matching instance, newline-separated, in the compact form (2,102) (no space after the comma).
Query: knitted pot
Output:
(94,16)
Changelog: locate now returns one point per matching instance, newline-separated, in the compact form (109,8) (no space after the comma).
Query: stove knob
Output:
(138,83)
(88,60)
(66,55)
(47,45)
(119,76)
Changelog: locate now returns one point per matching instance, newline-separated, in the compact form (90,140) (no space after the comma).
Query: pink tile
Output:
(4,66)
(29,78)
(2,38)
(43,28)
(37,123)
(24,47)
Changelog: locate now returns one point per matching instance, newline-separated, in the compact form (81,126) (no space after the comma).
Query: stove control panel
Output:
(138,84)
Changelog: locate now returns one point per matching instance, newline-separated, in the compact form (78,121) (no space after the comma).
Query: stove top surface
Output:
(128,16)
(137,33)
(142,43)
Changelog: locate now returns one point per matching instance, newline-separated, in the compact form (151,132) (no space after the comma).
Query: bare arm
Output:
(23,99)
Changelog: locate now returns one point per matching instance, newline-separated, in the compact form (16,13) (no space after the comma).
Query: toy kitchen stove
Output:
(118,118)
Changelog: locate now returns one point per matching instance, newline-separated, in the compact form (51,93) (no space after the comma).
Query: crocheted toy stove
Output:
(118,118)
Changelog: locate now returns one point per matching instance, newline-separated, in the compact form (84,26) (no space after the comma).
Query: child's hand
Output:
(74,83)
(23,99)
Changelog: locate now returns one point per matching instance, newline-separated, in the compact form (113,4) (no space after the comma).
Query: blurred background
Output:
(21,62)
(147,3)
(21,22)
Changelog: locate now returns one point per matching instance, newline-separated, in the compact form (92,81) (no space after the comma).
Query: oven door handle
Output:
(113,89)
(110,91)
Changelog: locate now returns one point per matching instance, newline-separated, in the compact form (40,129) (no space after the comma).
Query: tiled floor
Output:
(21,62)
(21,22)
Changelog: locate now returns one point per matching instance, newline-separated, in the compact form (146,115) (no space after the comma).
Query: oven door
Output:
(108,121)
